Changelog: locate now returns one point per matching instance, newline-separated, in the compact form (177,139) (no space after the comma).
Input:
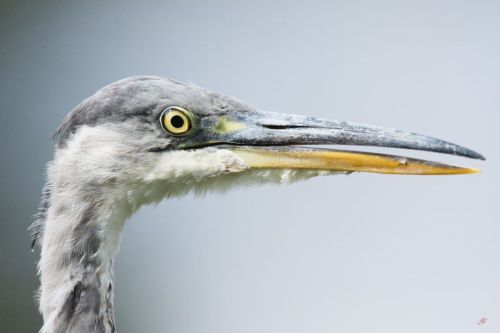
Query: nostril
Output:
(281,127)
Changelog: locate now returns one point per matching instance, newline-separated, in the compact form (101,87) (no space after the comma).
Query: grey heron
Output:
(142,139)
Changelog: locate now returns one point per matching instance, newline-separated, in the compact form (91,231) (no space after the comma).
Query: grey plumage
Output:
(36,228)
(139,97)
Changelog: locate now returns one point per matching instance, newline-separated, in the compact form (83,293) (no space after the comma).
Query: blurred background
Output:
(338,254)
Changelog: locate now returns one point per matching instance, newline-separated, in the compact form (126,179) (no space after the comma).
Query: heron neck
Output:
(80,240)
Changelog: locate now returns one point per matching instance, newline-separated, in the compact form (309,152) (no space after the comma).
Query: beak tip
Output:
(477,156)
(465,152)
(473,171)
(474,155)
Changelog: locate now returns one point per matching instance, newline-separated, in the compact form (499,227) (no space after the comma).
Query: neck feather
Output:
(81,238)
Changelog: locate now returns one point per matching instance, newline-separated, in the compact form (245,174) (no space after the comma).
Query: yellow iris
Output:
(175,120)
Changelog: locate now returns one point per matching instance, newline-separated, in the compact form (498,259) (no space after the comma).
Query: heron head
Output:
(160,137)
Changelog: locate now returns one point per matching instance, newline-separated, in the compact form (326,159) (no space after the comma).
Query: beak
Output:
(268,140)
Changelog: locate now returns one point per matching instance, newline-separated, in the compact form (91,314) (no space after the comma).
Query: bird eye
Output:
(175,120)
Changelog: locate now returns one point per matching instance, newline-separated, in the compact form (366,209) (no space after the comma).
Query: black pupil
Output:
(177,121)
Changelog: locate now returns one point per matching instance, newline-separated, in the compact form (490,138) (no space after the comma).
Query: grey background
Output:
(339,254)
